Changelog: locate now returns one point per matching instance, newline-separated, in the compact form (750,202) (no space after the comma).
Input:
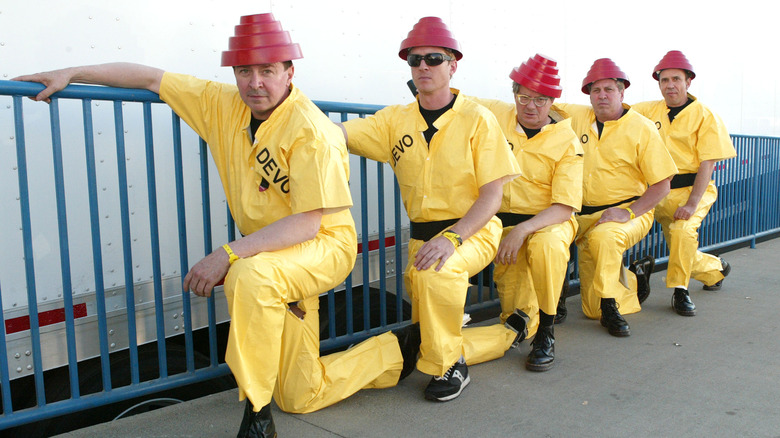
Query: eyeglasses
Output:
(431,59)
(538,100)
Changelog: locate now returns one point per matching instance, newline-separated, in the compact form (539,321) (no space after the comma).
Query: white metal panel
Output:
(350,55)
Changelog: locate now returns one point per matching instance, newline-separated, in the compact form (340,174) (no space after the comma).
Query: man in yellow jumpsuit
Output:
(284,169)
(451,162)
(537,207)
(626,173)
(697,140)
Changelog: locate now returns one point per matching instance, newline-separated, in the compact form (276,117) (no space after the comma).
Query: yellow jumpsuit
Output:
(441,181)
(695,135)
(298,163)
(628,157)
(551,166)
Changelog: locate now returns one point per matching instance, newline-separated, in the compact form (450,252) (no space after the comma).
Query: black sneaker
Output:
(451,384)
(409,343)
(518,323)
(726,269)
(642,268)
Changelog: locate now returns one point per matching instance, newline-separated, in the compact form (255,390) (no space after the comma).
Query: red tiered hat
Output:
(603,68)
(539,74)
(430,31)
(673,59)
(259,39)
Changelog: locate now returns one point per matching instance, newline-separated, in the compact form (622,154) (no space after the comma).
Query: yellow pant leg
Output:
(516,288)
(308,382)
(534,283)
(682,238)
(548,259)
(438,298)
(600,251)
(483,344)
(258,289)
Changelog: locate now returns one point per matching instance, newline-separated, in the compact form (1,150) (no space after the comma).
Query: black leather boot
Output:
(518,323)
(409,342)
(682,304)
(560,312)
(642,268)
(612,319)
(542,355)
(257,424)
(725,270)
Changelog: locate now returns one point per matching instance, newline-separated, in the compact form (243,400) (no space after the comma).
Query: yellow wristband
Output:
(231,257)
(631,212)
(453,237)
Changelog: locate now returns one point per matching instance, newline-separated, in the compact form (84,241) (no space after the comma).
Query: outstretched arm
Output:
(120,74)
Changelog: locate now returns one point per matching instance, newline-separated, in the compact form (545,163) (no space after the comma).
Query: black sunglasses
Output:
(431,59)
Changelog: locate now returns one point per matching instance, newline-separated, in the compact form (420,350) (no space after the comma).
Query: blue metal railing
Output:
(748,209)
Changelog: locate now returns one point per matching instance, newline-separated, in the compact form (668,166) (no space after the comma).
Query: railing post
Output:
(754,203)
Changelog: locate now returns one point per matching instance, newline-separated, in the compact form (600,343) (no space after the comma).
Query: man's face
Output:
(263,87)
(607,100)
(530,115)
(427,79)
(674,86)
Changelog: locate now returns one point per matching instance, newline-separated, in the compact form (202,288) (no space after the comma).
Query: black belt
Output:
(683,180)
(590,209)
(512,219)
(426,230)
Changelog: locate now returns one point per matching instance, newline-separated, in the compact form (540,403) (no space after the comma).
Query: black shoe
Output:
(518,323)
(257,424)
(409,342)
(725,271)
(451,384)
(612,320)
(682,304)
(560,312)
(642,268)
(542,355)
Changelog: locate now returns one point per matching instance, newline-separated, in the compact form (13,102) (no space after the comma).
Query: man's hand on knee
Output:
(684,213)
(614,214)
(207,273)
(438,248)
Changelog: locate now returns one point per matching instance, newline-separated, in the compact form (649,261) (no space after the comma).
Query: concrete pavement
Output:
(713,375)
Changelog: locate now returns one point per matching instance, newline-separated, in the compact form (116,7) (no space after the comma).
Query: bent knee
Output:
(605,237)
(548,243)
(683,228)
(258,281)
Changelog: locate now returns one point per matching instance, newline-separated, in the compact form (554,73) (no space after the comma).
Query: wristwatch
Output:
(231,256)
(453,237)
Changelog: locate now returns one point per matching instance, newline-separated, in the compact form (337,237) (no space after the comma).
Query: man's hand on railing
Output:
(53,80)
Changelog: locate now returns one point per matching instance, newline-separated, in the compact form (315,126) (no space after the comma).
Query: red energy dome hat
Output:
(603,68)
(539,74)
(259,39)
(673,59)
(430,31)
